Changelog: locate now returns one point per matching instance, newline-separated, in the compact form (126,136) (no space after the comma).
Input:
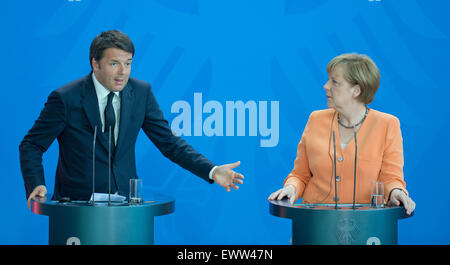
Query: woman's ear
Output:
(356,91)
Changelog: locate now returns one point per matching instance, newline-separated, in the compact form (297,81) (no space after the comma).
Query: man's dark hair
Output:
(109,39)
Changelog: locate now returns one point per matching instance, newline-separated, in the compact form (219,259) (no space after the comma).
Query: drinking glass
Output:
(135,197)
(377,194)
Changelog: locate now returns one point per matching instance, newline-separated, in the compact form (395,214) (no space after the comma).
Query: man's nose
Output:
(121,69)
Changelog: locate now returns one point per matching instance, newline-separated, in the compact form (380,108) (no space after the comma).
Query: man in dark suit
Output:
(116,106)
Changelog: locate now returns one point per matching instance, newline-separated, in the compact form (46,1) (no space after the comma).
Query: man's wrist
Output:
(211,173)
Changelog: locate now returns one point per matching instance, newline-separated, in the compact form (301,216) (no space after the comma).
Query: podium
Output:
(80,223)
(323,224)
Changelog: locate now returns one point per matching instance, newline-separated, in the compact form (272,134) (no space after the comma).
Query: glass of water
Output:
(135,197)
(377,194)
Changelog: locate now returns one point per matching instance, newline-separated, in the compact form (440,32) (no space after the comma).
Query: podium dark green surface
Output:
(118,224)
(323,224)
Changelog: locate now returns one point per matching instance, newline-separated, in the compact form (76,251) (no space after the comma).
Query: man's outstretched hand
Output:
(226,177)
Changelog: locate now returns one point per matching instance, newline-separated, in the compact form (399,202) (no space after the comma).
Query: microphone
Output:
(109,167)
(93,165)
(335,177)
(354,176)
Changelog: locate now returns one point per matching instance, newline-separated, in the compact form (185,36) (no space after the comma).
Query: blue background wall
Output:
(234,50)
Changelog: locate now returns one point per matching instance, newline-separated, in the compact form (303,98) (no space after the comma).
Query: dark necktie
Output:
(110,120)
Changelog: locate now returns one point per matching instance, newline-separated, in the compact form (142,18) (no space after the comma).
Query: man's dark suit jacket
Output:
(70,115)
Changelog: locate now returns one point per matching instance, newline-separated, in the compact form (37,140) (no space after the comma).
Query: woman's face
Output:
(339,92)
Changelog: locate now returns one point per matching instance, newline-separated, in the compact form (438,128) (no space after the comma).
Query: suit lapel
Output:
(89,102)
(126,105)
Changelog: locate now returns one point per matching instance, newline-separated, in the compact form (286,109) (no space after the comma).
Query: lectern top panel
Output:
(157,205)
(284,209)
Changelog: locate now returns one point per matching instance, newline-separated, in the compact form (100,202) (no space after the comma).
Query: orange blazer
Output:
(380,158)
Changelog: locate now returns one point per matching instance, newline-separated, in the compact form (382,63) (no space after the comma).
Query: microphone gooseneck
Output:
(93,165)
(109,167)
(354,176)
(335,176)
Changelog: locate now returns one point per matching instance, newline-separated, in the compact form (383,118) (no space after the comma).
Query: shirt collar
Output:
(102,92)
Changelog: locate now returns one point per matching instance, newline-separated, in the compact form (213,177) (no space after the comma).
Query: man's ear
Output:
(95,65)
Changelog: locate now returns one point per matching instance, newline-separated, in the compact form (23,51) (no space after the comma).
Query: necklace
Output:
(356,125)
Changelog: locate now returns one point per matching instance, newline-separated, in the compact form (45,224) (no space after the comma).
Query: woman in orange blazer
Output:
(353,80)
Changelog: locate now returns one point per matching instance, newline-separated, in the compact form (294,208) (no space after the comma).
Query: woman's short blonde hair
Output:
(360,70)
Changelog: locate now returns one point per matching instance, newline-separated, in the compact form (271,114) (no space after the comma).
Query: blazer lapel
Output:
(89,102)
(126,106)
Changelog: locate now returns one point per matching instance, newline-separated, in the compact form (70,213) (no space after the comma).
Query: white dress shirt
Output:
(102,96)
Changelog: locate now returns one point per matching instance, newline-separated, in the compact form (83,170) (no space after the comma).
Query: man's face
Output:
(113,69)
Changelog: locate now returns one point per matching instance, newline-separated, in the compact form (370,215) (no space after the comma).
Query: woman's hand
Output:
(398,196)
(287,191)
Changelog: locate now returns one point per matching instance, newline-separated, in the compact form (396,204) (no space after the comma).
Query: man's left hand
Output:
(226,177)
